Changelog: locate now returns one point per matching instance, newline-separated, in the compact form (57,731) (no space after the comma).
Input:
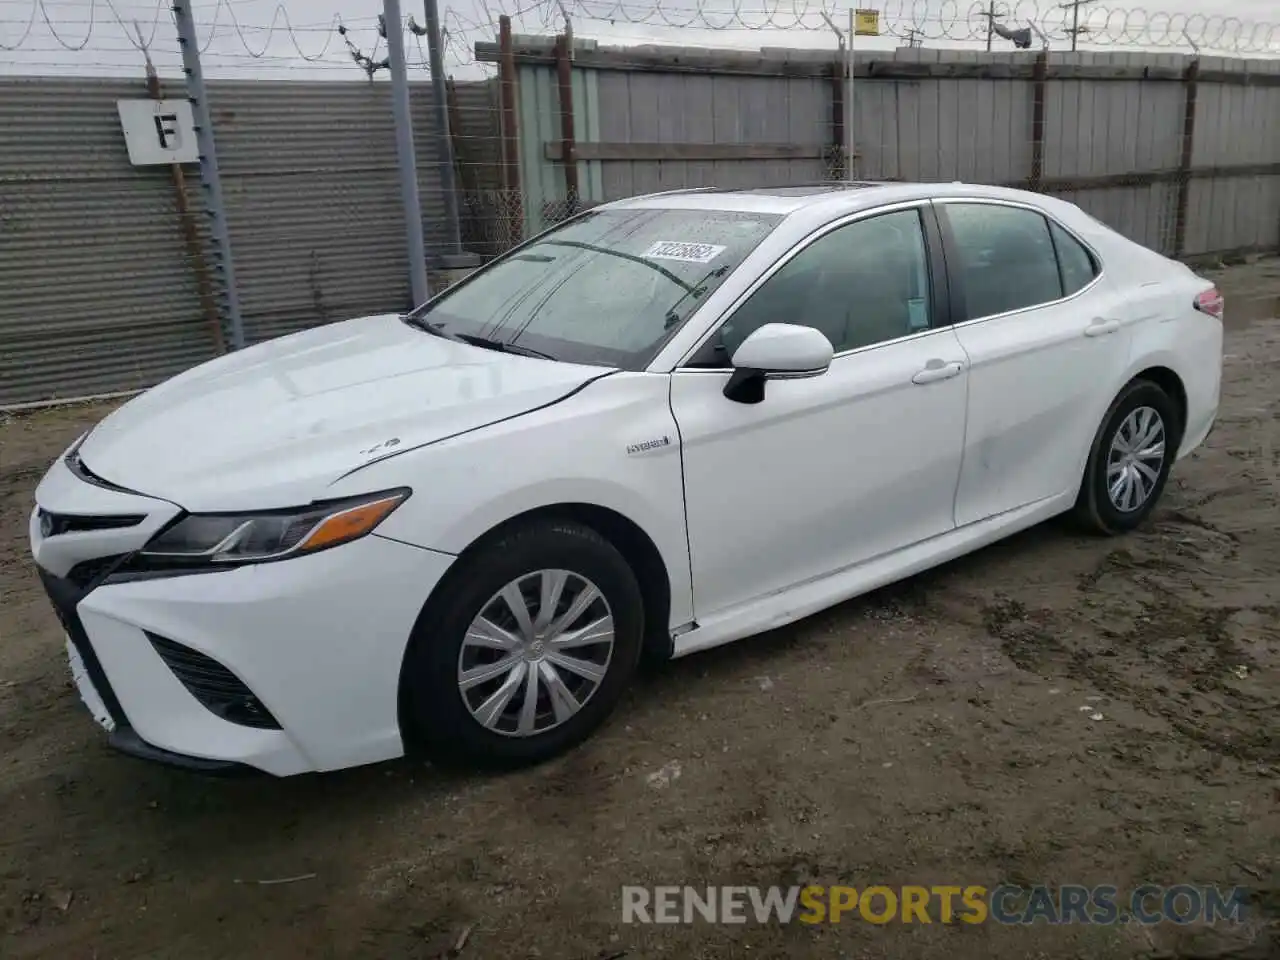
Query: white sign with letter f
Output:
(158,131)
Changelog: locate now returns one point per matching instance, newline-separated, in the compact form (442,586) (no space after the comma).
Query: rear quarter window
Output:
(1076,263)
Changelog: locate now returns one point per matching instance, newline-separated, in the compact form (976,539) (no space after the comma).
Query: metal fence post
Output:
(1182,201)
(1040,74)
(568,149)
(850,112)
(513,199)
(210,177)
(842,100)
(190,230)
(405,157)
(444,139)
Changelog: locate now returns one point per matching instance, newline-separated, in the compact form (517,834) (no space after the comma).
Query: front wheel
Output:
(1130,460)
(528,650)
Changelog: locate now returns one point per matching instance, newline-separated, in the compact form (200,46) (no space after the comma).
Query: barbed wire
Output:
(460,31)
(82,26)
(97,29)
(218,20)
(949,21)
(279,17)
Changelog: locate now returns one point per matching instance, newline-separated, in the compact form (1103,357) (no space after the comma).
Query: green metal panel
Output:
(542,180)
(586,129)
(538,112)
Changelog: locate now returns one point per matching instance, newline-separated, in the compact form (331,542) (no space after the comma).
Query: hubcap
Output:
(1135,459)
(536,653)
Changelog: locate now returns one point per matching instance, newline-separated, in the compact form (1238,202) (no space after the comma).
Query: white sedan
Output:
(666,424)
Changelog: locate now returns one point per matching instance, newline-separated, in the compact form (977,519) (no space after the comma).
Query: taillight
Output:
(1210,302)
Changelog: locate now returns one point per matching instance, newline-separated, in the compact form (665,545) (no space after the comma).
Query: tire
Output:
(1095,508)
(443,719)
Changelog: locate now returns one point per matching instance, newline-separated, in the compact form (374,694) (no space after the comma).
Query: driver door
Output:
(839,468)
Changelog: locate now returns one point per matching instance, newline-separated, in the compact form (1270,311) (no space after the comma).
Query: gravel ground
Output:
(930,733)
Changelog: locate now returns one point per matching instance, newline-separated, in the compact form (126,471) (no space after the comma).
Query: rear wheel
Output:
(1130,460)
(528,650)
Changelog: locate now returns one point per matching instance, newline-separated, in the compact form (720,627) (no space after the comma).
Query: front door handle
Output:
(936,370)
(1101,327)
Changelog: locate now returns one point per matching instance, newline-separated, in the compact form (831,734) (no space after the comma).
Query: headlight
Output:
(271,535)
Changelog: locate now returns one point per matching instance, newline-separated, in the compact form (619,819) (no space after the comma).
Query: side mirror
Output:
(776,351)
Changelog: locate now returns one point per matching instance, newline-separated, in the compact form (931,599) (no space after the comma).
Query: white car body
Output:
(761,513)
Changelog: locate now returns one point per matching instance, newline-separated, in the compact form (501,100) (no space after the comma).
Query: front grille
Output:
(56,524)
(217,688)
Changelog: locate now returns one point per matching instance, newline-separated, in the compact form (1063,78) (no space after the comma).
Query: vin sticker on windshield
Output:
(685,252)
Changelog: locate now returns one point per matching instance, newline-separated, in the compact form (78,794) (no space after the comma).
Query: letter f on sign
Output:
(167,131)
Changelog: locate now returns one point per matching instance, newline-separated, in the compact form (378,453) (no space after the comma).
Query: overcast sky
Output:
(296,38)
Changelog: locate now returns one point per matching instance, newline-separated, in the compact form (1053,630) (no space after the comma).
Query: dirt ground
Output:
(930,733)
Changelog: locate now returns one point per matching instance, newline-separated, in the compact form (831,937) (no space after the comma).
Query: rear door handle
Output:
(1101,327)
(936,370)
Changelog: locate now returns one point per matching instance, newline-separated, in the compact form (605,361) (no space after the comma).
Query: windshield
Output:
(608,288)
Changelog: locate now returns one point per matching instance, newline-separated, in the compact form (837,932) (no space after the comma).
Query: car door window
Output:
(1006,258)
(1077,264)
(860,284)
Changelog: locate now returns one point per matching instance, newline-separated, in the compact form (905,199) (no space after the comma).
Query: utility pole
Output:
(1075,29)
(210,176)
(406,161)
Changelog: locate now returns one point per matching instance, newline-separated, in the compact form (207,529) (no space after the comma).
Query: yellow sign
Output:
(866,23)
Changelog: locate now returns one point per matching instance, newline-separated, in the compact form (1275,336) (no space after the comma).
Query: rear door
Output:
(1047,340)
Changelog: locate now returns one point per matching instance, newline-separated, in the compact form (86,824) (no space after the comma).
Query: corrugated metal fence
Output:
(1108,131)
(97,293)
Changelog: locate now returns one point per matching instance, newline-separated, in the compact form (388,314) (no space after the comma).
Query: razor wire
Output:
(82,26)
(218,20)
(948,21)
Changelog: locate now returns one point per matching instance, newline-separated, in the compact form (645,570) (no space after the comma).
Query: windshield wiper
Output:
(688,288)
(487,343)
(501,346)
(435,329)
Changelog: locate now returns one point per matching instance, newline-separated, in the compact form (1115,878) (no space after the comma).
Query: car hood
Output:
(272,425)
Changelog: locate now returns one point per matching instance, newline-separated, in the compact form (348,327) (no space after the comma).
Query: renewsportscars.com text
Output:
(973,904)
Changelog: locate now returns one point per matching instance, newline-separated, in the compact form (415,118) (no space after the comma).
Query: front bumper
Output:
(99,696)
(318,640)
(126,740)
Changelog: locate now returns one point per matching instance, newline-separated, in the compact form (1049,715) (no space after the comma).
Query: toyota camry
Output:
(665,424)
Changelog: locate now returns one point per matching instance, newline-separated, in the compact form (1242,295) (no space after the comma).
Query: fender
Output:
(586,449)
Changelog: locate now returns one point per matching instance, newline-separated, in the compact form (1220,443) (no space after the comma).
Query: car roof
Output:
(834,197)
